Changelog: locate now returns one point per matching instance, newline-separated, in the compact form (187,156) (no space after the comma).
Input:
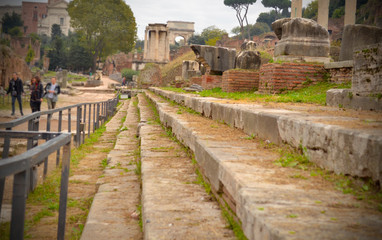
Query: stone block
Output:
(216,59)
(189,66)
(367,77)
(355,36)
(302,38)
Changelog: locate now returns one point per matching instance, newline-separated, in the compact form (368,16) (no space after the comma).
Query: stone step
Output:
(270,201)
(344,144)
(174,205)
(113,214)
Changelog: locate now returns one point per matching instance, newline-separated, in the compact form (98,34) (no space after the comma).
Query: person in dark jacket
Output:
(52,90)
(16,89)
(37,93)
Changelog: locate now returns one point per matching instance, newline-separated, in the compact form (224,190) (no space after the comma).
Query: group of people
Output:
(37,93)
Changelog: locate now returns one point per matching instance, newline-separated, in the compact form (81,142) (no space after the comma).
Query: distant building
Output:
(56,14)
(39,17)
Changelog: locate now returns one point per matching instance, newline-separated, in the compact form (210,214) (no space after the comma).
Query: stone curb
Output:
(263,208)
(347,151)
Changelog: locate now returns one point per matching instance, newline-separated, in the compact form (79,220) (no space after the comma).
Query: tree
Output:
(15,32)
(56,31)
(268,17)
(311,10)
(212,32)
(11,21)
(278,5)
(79,58)
(106,26)
(241,8)
(196,39)
(30,55)
(254,29)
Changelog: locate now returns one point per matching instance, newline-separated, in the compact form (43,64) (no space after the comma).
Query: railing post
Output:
(84,124)
(98,112)
(70,120)
(59,130)
(94,123)
(48,119)
(90,110)
(63,192)
(18,205)
(7,144)
(78,129)
(33,125)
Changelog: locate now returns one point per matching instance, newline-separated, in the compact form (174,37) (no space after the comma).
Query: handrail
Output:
(23,119)
(19,166)
(23,166)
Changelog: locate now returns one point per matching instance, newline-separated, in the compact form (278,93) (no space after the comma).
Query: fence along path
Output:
(23,167)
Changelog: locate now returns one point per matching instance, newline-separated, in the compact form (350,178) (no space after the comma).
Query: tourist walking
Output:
(37,93)
(16,89)
(52,90)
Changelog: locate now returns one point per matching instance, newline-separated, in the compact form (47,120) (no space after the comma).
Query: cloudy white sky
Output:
(204,13)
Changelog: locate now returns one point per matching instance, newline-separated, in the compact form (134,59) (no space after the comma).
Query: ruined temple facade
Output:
(56,14)
(159,36)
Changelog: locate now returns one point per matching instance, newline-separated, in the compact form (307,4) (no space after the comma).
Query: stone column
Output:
(296,9)
(167,53)
(323,13)
(146,48)
(350,9)
(156,45)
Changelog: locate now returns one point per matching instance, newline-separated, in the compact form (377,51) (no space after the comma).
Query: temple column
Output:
(156,45)
(296,9)
(350,10)
(323,13)
(146,46)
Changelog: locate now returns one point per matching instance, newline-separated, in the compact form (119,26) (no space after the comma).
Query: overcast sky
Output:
(204,13)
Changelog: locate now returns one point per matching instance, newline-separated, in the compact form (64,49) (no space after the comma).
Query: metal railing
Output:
(19,167)
(89,115)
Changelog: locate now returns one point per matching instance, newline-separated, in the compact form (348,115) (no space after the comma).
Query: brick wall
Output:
(196,80)
(31,13)
(341,75)
(275,78)
(211,81)
(240,81)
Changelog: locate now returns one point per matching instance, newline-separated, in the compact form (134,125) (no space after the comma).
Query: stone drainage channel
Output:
(267,202)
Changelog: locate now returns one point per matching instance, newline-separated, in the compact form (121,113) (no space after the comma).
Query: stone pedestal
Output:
(248,58)
(301,40)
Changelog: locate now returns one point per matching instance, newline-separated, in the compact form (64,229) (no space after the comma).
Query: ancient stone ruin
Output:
(215,59)
(366,91)
(356,36)
(248,58)
(301,39)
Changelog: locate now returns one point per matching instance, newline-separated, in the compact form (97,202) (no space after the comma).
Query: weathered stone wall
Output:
(10,63)
(276,78)
(240,81)
(20,46)
(367,75)
(117,62)
(211,81)
(150,76)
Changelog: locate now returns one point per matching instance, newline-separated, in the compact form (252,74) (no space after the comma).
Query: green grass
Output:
(315,94)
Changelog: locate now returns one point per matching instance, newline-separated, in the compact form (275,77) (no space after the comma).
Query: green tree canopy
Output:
(254,29)
(11,21)
(241,8)
(278,5)
(269,17)
(56,31)
(30,55)
(106,26)
(212,34)
(311,10)
(196,39)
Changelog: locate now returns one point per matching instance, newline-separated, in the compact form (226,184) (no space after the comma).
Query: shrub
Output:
(128,73)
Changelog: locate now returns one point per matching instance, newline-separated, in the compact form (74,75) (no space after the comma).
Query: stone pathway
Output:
(174,205)
(271,202)
(113,212)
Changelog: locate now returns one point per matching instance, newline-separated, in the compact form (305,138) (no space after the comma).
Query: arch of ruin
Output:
(159,36)
(323,11)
